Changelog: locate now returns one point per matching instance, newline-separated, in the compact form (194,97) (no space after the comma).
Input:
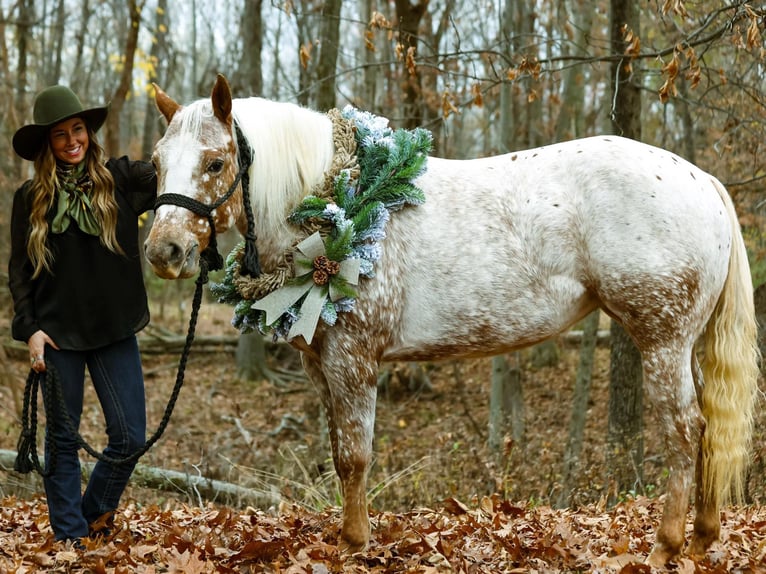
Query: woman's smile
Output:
(69,141)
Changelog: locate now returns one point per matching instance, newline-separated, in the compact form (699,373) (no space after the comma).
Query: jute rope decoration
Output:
(341,227)
(344,140)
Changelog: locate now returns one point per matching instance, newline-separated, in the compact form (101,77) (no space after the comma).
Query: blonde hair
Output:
(43,189)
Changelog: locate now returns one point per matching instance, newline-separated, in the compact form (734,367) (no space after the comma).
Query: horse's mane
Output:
(292,148)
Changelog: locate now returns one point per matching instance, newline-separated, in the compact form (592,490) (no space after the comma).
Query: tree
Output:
(409,16)
(121,93)
(625,449)
(157,63)
(328,54)
(579,407)
(248,78)
(78,76)
(24,27)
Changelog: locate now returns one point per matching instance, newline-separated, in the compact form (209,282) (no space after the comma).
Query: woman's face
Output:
(69,141)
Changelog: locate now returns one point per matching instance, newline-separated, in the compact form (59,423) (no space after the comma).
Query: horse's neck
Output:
(292,149)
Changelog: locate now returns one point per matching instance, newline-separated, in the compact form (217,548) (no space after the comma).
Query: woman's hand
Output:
(36,345)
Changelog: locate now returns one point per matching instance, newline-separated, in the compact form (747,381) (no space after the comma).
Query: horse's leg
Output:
(314,371)
(707,518)
(669,383)
(348,388)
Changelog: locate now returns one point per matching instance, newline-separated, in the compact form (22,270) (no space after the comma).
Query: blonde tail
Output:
(730,373)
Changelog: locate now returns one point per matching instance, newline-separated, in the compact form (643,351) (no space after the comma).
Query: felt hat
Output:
(52,106)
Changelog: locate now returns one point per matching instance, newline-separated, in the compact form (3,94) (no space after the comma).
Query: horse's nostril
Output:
(164,253)
(176,254)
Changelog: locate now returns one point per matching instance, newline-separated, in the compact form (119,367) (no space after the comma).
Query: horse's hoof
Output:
(700,544)
(347,548)
(660,556)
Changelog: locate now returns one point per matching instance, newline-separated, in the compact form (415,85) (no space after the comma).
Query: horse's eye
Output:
(215,166)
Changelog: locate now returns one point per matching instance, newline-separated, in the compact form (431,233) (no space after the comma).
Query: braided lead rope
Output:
(27,459)
(26,448)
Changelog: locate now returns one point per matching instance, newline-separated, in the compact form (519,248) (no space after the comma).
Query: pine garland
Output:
(351,211)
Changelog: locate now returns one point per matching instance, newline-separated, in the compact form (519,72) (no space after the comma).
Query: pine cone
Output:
(333,267)
(320,262)
(320,277)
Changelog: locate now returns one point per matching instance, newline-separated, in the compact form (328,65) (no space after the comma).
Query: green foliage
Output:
(339,244)
(388,170)
(388,161)
(310,207)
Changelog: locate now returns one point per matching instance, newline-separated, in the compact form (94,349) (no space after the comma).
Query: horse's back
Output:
(512,249)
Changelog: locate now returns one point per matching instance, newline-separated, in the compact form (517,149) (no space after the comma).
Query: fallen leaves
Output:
(490,536)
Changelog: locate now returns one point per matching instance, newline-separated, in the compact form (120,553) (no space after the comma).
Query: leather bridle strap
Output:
(250,265)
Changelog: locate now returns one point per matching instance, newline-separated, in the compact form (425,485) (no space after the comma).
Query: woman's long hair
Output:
(44,185)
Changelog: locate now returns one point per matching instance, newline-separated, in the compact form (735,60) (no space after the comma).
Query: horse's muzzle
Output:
(170,260)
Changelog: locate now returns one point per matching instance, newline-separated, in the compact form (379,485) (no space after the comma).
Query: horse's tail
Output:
(730,372)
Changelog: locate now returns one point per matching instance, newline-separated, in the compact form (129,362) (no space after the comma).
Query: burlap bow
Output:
(317,278)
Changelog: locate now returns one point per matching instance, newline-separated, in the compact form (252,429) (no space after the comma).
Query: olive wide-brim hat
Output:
(52,106)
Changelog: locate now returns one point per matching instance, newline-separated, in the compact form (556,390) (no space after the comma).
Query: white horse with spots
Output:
(505,252)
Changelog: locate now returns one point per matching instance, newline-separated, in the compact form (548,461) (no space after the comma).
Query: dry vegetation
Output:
(440,500)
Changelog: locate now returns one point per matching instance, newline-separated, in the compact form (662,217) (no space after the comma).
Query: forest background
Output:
(486,77)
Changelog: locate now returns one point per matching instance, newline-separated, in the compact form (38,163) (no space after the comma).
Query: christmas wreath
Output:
(343,224)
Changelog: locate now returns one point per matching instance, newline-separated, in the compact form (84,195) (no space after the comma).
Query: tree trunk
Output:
(570,122)
(78,78)
(328,54)
(126,78)
(369,78)
(306,67)
(159,54)
(433,116)
(625,449)
(249,77)
(507,139)
(625,443)
(579,406)
(409,17)
(24,27)
(251,356)
(687,121)
(506,403)
(56,45)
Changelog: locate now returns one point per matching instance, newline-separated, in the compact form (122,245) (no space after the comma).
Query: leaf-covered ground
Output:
(492,537)
(430,452)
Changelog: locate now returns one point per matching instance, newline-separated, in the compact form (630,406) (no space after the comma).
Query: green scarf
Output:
(73,201)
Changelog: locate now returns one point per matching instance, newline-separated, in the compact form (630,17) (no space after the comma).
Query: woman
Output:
(78,294)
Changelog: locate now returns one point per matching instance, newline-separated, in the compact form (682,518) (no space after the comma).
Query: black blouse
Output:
(92,297)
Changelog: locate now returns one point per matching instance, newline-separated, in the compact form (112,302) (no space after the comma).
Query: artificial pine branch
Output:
(389,160)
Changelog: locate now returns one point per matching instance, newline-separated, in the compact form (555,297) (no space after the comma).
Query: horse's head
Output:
(197,165)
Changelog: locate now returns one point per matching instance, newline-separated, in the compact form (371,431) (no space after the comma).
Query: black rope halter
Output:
(250,265)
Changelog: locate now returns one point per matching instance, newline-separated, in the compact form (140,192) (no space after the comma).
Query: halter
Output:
(250,265)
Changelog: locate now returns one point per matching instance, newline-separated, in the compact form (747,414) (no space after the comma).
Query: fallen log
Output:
(197,488)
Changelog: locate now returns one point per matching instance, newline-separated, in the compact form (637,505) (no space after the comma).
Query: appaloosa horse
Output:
(505,252)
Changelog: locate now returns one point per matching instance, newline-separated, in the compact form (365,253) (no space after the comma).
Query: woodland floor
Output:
(440,501)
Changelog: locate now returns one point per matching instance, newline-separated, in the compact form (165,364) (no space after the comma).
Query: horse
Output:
(505,252)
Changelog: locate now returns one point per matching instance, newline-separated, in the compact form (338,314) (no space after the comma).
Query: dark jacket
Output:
(92,297)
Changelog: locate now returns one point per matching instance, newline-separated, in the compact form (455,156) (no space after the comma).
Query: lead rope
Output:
(27,459)
(210,260)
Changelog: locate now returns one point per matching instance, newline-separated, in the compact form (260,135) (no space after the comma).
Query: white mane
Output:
(292,148)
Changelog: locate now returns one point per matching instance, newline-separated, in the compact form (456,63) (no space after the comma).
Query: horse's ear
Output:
(165,104)
(221,98)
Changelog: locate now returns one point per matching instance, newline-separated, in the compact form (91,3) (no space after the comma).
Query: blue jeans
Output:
(119,383)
